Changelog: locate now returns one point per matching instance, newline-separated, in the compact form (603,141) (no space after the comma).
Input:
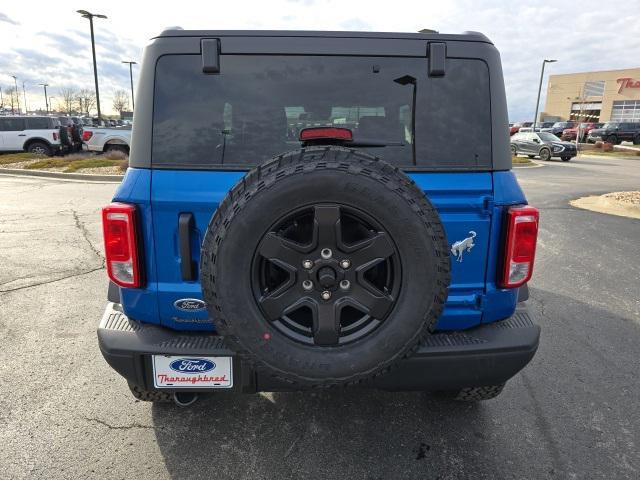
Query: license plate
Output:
(192,372)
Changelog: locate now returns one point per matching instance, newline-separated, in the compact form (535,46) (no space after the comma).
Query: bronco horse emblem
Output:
(461,245)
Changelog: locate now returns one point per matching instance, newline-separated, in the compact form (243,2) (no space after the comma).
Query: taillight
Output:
(55,136)
(120,244)
(324,133)
(519,246)
(86,136)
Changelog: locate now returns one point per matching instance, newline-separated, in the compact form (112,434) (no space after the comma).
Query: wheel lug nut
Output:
(345,264)
(326,295)
(345,284)
(326,253)
(307,264)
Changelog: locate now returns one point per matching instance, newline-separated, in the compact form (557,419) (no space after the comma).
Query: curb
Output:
(603,204)
(535,165)
(62,176)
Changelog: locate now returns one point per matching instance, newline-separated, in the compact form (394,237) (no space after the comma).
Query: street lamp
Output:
(24,93)
(535,119)
(133,103)
(46,100)
(90,16)
(15,82)
(51,101)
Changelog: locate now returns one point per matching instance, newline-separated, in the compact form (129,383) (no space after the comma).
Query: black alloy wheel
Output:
(326,274)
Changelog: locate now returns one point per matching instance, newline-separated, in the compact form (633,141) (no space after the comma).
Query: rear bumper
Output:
(487,355)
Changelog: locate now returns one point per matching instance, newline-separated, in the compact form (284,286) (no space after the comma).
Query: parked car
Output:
(235,266)
(558,128)
(569,134)
(537,128)
(515,127)
(39,135)
(542,144)
(107,139)
(616,132)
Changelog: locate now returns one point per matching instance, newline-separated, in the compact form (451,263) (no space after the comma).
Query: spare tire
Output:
(325,266)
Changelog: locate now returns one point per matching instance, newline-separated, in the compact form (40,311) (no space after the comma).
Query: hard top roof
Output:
(464,36)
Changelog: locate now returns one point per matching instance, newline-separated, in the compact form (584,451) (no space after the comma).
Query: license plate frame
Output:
(192,372)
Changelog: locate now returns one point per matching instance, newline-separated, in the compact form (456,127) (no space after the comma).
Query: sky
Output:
(48,42)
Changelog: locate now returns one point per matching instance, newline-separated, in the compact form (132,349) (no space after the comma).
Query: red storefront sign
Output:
(627,83)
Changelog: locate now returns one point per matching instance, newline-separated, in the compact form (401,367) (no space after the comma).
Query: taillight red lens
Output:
(55,136)
(86,136)
(120,244)
(324,133)
(520,246)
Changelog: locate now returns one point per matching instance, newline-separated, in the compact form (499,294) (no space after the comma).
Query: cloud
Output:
(6,19)
(355,24)
(590,39)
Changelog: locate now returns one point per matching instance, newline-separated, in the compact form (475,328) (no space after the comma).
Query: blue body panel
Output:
(465,201)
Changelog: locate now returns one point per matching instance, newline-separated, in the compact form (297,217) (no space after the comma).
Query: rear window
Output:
(255,108)
(38,123)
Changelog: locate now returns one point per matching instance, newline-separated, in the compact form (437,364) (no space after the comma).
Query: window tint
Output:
(38,123)
(453,118)
(11,124)
(256,107)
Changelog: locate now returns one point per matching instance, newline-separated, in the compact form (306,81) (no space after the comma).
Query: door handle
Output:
(22,134)
(185,225)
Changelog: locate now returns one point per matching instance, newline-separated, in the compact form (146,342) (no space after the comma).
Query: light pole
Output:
(46,100)
(535,119)
(24,94)
(51,100)
(90,16)
(15,82)
(133,103)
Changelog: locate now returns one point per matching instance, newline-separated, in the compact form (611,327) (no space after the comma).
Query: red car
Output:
(515,127)
(570,133)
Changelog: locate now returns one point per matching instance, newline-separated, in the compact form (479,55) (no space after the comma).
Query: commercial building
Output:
(612,95)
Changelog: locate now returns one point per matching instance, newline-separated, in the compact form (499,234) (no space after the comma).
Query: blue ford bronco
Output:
(318,209)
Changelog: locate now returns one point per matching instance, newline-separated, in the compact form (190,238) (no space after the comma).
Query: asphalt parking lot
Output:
(573,413)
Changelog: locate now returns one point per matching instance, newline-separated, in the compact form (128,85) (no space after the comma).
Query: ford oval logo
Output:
(190,305)
(192,365)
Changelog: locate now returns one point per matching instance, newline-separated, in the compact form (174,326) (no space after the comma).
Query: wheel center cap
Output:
(327,277)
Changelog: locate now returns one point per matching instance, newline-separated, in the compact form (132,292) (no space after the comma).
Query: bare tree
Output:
(68,99)
(12,99)
(86,99)
(120,101)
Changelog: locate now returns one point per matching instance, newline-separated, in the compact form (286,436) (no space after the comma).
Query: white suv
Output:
(39,135)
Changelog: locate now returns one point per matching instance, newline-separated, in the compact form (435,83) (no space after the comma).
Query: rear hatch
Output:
(437,129)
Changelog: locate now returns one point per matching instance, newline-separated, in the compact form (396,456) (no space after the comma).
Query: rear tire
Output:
(473,394)
(545,154)
(117,148)
(565,159)
(636,140)
(39,148)
(514,151)
(612,139)
(156,396)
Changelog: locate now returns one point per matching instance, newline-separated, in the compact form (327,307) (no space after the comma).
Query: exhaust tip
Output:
(185,399)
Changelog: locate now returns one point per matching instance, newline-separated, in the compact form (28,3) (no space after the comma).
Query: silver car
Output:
(542,144)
